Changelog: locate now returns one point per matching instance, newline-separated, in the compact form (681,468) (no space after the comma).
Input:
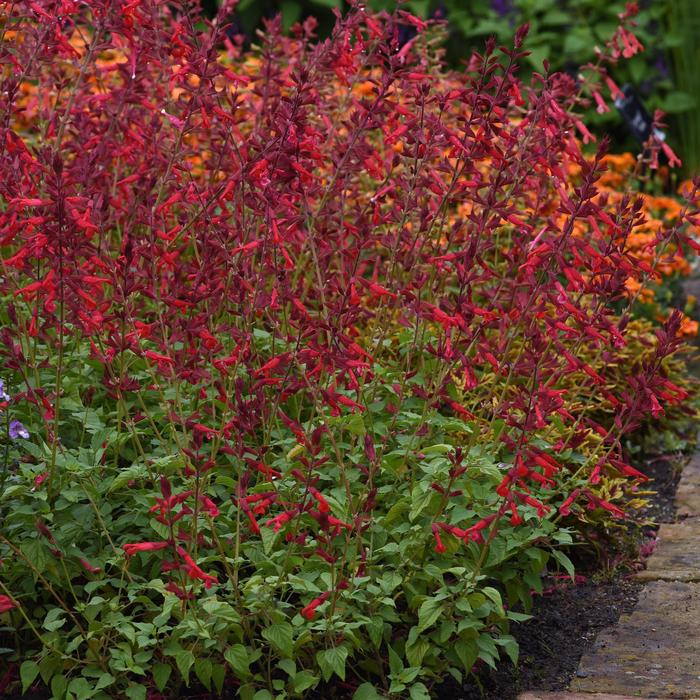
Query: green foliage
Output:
(683,25)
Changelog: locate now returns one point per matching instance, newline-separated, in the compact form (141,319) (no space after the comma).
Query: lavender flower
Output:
(17,430)
(4,396)
(502,7)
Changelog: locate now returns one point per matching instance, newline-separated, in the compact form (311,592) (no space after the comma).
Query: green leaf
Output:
(218,675)
(203,668)
(538,54)
(497,552)
(58,686)
(428,613)
(487,649)
(13,492)
(39,453)
(303,681)
(467,652)
(48,666)
(220,610)
(268,536)
(134,472)
(395,663)
(565,563)
(281,637)
(395,513)
(246,692)
(54,620)
(419,7)
(494,596)
(161,674)
(418,691)
(136,692)
(332,661)
(237,657)
(419,501)
(439,449)
(510,646)
(366,692)
(375,629)
(28,672)
(36,554)
(80,688)
(518,617)
(416,651)
(577,40)
(184,659)
(104,681)
(676,102)
(288,666)
(355,424)
(163,617)
(291,12)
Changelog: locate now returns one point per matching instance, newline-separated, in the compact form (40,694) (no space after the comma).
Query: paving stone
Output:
(651,653)
(688,493)
(582,696)
(686,575)
(677,553)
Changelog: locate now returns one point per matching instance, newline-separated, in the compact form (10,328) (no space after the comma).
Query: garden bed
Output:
(318,358)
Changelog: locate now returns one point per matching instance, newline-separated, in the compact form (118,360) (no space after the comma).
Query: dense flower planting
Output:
(313,355)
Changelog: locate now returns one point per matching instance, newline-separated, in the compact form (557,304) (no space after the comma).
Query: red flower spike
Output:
(131,549)
(7,604)
(309,611)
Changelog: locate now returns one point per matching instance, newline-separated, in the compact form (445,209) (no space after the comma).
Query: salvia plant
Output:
(322,349)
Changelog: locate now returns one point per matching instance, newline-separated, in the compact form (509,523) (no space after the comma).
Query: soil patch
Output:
(664,473)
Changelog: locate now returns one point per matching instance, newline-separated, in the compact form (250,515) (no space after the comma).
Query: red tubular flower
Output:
(439,546)
(323,506)
(278,521)
(193,570)
(6,604)
(209,506)
(89,567)
(565,507)
(515,518)
(309,611)
(159,358)
(179,592)
(131,549)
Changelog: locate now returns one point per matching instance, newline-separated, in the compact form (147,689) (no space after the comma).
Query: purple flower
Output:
(661,66)
(502,7)
(17,430)
(4,396)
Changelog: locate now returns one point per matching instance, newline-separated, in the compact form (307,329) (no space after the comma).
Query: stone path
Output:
(654,652)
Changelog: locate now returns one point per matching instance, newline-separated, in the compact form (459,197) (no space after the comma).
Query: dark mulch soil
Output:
(664,472)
